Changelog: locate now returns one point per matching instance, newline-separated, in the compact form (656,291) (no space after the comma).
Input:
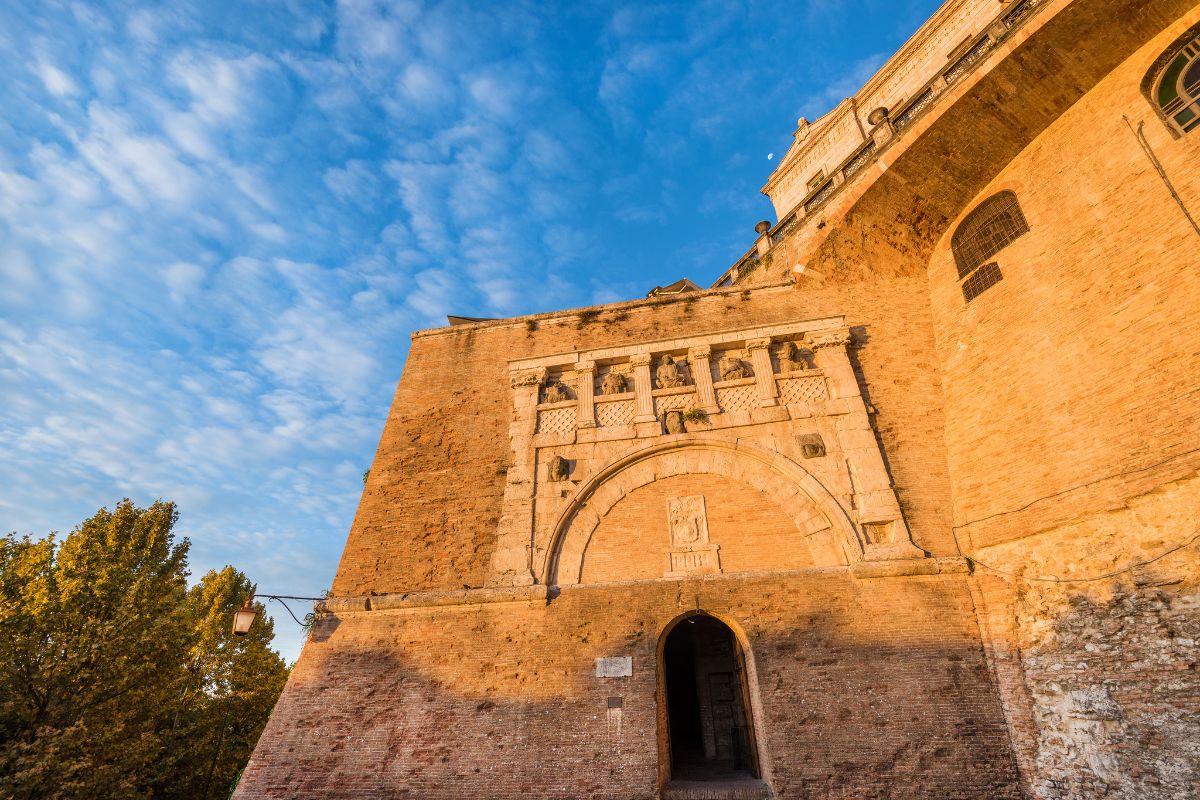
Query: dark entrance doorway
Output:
(708,713)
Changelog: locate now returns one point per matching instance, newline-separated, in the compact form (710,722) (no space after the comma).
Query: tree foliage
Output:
(116,679)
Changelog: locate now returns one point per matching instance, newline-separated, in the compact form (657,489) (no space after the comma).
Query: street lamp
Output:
(244,617)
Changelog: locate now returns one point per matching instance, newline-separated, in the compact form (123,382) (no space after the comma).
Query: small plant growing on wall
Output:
(696,415)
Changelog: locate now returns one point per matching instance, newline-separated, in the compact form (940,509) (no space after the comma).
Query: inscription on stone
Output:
(614,667)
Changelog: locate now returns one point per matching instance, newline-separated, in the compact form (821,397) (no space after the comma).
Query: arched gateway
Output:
(706,715)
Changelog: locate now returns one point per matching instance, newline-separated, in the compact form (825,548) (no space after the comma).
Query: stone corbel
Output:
(764,373)
(585,390)
(700,358)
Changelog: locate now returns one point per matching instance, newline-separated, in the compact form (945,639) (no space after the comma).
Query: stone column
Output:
(829,351)
(586,390)
(643,387)
(764,374)
(700,359)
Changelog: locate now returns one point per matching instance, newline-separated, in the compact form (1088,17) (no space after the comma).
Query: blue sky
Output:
(220,221)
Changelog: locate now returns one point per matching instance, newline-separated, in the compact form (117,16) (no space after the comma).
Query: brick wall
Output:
(1073,378)
(754,534)
(1071,427)
(864,689)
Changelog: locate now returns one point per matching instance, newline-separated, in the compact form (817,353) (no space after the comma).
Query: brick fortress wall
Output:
(1072,428)
(867,684)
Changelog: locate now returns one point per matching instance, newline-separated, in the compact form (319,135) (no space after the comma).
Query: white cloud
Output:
(57,82)
(182,280)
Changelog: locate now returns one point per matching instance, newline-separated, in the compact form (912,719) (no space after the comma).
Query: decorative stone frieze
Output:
(529,377)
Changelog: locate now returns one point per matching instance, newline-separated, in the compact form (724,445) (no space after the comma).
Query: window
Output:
(985,277)
(985,232)
(1173,84)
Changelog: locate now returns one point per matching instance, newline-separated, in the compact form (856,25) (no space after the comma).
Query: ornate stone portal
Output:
(809,423)
(691,552)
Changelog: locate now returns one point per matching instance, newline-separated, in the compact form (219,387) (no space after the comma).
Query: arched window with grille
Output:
(986,231)
(1173,84)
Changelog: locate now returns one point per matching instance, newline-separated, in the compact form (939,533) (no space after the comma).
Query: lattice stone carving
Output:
(619,412)
(556,420)
(736,398)
(802,390)
(675,402)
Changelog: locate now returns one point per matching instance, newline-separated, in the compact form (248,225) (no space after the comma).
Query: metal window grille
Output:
(1018,12)
(981,280)
(818,198)
(968,59)
(860,159)
(914,108)
(986,231)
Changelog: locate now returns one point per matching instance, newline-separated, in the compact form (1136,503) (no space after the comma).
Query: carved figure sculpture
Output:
(558,469)
(555,392)
(792,359)
(732,369)
(668,373)
(674,422)
(613,383)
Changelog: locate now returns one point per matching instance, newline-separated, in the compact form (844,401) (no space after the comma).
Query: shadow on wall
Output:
(503,701)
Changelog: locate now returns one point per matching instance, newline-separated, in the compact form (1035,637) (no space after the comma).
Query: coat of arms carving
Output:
(691,551)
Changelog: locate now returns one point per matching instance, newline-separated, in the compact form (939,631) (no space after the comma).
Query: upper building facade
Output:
(904,506)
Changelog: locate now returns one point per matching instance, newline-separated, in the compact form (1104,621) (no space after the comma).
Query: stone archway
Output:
(819,519)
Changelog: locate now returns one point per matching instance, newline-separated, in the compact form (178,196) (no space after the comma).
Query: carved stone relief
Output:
(732,369)
(668,374)
(793,358)
(673,421)
(811,445)
(613,383)
(555,392)
(691,552)
(558,469)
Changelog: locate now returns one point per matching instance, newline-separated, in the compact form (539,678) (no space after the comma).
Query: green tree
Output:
(116,679)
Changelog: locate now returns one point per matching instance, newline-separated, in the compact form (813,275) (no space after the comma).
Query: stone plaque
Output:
(691,552)
(614,667)
(689,523)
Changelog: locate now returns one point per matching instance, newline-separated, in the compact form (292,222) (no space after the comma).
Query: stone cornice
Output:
(575,313)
